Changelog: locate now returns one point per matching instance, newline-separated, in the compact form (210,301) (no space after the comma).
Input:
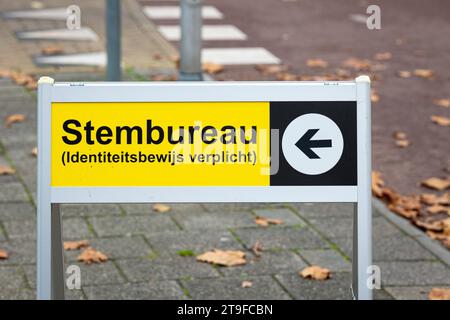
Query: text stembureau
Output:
(226,309)
(154,135)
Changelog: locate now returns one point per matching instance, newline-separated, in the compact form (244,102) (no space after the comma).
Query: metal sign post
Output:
(202,142)
(191,40)
(113,34)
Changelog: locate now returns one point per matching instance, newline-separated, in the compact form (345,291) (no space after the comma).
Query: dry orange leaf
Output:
(434,209)
(442,121)
(226,258)
(404,74)
(5,170)
(437,235)
(374,97)
(424,73)
(160,207)
(432,199)
(34,152)
(164,77)
(90,255)
(246,284)
(3,254)
(315,273)
(436,183)
(265,222)
(271,69)
(377,184)
(5,73)
(75,245)
(9,120)
(212,68)
(316,63)
(357,64)
(286,76)
(383,56)
(442,102)
(435,225)
(439,294)
(402,143)
(51,50)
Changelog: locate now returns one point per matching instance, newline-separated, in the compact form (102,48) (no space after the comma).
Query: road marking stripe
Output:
(239,56)
(82,34)
(174,12)
(96,59)
(209,33)
(47,14)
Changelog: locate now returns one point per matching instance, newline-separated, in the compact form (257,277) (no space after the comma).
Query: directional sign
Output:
(201,142)
(218,143)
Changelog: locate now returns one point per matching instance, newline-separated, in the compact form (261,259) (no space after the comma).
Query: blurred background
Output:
(401,45)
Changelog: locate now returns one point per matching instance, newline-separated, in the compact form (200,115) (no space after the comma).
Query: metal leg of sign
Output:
(362,250)
(44,207)
(57,255)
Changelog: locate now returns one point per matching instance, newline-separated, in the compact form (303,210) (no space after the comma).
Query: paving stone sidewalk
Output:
(150,252)
(143,46)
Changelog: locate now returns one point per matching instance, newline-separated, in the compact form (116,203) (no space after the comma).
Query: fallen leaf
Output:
(257,249)
(31,84)
(402,143)
(6,170)
(90,255)
(383,56)
(404,74)
(21,78)
(316,63)
(75,245)
(377,184)
(212,68)
(434,209)
(176,60)
(436,183)
(5,73)
(399,135)
(160,207)
(9,120)
(357,64)
(271,69)
(265,222)
(442,102)
(315,273)
(442,121)
(34,152)
(285,76)
(424,73)
(431,225)
(247,284)
(439,294)
(226,258)
(157,56)
(164,77)
(374,97)
(432,199)
(3,254)
(51,50)
(436,235)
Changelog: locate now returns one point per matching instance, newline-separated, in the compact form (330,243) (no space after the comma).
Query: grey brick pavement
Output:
(151,254)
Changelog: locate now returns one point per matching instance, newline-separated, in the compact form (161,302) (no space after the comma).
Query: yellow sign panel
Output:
(160,144)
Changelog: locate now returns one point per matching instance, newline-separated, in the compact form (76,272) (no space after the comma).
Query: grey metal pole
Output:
(191,40)
(113,40)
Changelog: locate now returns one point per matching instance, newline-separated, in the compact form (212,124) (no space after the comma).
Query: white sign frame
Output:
(50,276)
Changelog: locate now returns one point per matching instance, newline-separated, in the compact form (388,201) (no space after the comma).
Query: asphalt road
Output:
(415,32)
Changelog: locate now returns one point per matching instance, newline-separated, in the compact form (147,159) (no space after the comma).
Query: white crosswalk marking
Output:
(47,14)
(239,56)
(82,34)
(174,12)
(209,33)
(96,59)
